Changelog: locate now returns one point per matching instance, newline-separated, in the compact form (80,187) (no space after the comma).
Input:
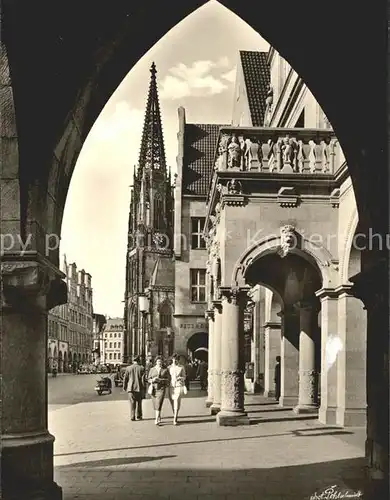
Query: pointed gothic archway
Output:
(88,64)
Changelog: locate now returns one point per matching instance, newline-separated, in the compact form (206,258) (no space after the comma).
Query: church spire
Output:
(152,154)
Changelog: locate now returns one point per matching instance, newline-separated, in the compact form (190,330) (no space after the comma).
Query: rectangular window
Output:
(198,285)
(197,240)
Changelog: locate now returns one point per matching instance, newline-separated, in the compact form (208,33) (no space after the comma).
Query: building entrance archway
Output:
(197,346)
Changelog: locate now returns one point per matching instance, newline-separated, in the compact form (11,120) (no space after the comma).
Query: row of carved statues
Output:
(278,154)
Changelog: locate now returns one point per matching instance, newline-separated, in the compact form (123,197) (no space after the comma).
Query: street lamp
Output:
(143,306)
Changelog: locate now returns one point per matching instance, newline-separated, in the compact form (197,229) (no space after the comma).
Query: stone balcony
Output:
(278,150)
(295,162)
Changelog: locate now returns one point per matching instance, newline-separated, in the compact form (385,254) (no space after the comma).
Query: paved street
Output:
(101,455)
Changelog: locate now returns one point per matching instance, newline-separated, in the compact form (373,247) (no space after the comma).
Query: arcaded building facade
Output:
(70,325)
(280,225)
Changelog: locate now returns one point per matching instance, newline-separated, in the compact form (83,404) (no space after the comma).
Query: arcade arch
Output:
(296,277)
(198,346)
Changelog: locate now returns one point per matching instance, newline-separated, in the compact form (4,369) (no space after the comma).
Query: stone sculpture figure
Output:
(234,150)
(234,187)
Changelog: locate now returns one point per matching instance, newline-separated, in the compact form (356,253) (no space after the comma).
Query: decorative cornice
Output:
(288,197)
(329,293)
(27,277)
(335,198)
(234,200)
(272,324)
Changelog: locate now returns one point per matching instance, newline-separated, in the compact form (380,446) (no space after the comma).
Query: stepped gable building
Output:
(149,294)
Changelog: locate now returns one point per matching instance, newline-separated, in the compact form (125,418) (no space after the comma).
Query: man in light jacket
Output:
(134,384)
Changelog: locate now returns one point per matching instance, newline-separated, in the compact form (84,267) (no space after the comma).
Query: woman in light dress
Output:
(177,386)
(158,377)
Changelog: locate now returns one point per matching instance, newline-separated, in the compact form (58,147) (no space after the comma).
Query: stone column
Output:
(289,354)
(351,361)
(308,397)
(232,362)
(372,287)
(260,365)
(330,346)
(29,289)
(272,349)
(216,405)
(210,375)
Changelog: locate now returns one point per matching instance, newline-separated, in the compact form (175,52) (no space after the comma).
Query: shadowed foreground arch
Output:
(78,53)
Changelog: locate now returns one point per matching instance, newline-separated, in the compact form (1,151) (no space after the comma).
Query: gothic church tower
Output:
(149,294)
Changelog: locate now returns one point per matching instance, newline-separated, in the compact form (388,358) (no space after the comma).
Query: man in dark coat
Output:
(277,378)
(134,384)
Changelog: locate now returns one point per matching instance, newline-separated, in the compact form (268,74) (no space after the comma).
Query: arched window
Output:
(165,315)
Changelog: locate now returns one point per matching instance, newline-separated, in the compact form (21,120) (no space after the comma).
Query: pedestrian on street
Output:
(134,384)
(177,386)
(202,374)
(277,378)
(158,379)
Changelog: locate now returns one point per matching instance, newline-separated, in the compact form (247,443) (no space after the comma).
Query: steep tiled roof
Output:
(257,79)
(199,149)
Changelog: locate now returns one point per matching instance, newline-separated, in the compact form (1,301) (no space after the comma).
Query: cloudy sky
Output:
(196,64)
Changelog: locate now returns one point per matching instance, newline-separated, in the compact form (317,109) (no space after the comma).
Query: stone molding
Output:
(26,279)
(334,198)
(233,295)
(272,324)
(335,293)
(232,390)
(209,314)
(288,197)
(234,200)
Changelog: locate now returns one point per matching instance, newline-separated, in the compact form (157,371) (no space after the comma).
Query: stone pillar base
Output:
(269,394)
(351,418)
(45,492)
(232,419)
(215,408)
(208,403)
(27,468)
(305,409)
(327,416)
(288,401)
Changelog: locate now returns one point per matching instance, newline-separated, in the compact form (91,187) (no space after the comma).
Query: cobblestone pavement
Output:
(101,455)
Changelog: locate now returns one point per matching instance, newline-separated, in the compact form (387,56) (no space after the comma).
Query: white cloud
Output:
(124,120)
(230,76)
(223,62)
(195,80)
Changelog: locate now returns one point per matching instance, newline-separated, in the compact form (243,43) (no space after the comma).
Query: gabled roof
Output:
(200,141)
(257,80)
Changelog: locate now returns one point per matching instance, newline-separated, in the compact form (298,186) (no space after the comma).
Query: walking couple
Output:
(162,379)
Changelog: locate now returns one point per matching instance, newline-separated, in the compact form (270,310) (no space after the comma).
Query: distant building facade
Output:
(70,326)
(112,342)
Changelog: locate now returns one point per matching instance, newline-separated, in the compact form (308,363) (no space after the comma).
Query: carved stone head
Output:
(288,239)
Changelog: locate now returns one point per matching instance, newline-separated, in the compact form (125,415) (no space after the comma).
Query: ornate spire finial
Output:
(152,154)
